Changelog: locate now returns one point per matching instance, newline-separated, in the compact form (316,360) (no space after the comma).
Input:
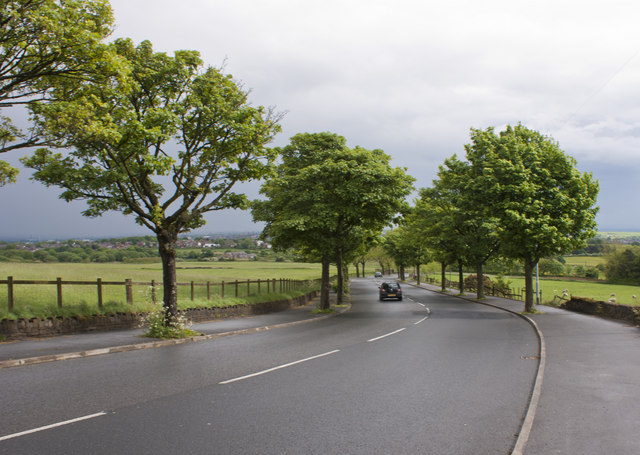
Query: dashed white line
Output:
(53,425)
(387,335)
(278,367)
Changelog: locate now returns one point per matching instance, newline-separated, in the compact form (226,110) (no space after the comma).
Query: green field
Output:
(586,261)
(596,290)
(187,271)
(41,300)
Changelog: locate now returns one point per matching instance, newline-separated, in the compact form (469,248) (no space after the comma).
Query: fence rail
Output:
(513,293)
(236,288)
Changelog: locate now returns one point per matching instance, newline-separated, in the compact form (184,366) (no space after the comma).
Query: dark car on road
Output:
(390,291)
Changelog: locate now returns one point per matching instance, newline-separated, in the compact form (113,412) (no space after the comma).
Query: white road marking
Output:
(53,425)
(388,334)
(424,318)
(278,367)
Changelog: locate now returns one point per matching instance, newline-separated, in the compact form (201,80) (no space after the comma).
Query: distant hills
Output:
(622,236)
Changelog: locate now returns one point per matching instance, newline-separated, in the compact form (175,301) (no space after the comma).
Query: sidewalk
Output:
(40,350)
(590,388)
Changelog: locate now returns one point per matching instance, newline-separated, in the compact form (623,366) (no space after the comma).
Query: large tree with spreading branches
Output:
(166,144)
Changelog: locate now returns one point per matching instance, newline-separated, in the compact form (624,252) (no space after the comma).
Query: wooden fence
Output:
(224,288)
(513,294)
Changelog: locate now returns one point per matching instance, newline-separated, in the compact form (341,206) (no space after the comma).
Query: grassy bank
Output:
(596,290)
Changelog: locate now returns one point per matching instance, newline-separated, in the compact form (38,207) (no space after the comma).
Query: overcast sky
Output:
(409,77)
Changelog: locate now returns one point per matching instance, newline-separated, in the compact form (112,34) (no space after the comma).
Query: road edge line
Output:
(534,399)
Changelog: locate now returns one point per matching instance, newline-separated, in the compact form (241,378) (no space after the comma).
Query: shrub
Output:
(499,286)
(624,266)
(154,322)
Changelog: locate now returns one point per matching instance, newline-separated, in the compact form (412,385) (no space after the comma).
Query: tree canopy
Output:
(166,144)
(46,43)
(327,198)
(542,204)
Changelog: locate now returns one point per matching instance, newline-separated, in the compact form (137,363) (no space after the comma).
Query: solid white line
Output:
(384,336)
(53,425)
(278,367)
(421,320)
(527,424)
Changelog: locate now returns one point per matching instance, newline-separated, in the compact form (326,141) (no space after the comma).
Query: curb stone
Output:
(156,344)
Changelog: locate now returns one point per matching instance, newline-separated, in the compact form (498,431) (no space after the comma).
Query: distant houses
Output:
(236,255)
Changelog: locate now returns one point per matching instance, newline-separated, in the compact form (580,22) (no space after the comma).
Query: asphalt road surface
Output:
(382,378)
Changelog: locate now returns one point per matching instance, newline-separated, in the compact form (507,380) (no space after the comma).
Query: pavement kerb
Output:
(527,423)
(158,343)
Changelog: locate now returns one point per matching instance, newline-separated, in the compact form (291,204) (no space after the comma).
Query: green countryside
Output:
(167,139)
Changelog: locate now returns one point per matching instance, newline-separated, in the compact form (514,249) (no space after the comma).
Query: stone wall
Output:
(22,328)
(605,309)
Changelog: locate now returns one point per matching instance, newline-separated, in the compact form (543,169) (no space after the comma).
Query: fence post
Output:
(274,285)
(248,287)
(129,290)
(153,291)
(208,291)
(192,291)
(259,293)
(59,286)
(99,283)
(236,288)
(223,289)
(10,293)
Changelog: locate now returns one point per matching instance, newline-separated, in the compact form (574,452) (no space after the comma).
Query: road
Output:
(381,378)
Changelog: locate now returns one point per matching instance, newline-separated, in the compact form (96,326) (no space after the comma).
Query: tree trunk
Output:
(444,276)
(167,248)
(358,270)
(418,274)
(340,267)
(529,305)
(460,278)
(363,274)
(480,286)
(402,272)
(325,285)
(345,283)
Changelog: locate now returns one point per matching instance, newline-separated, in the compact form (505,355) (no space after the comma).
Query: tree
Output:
(397,246)
(543,205)
(407,246)
(328,199)
(624,266)
(166,145)
(44,43)
(551,266)
(470,226)
(379,254)
(431,225)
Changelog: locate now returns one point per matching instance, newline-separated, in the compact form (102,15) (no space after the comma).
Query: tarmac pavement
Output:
(588,386)
(587,392)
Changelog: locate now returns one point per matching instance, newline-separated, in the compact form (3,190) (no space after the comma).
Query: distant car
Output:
(378,275)
(390,291)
